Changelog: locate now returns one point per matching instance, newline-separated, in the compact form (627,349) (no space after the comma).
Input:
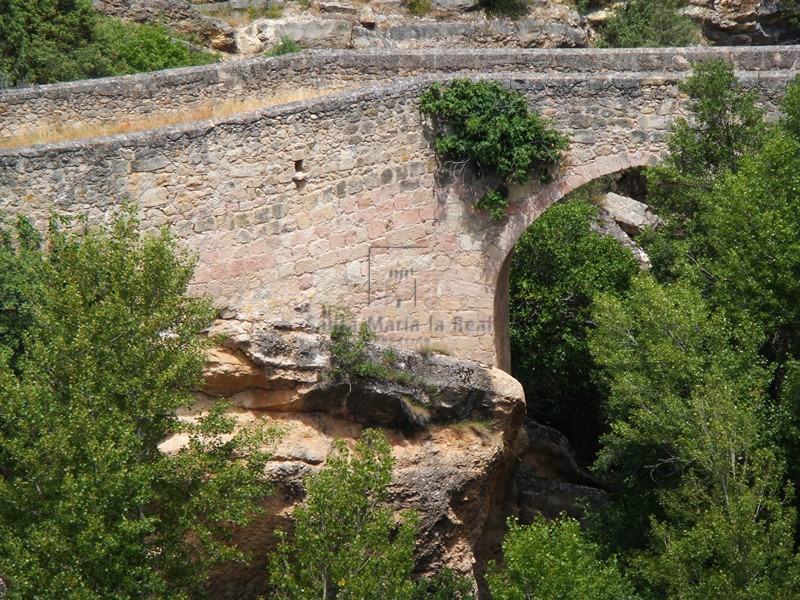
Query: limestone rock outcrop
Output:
(180,15)
(631,215)
(624,218)
(453,426)
(741,22)
(728,22)
(370,29)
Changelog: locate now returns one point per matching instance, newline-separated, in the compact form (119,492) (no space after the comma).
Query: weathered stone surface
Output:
(261,367)
(309,32)
(332,6)
(729,22)
(631,215)
(366,17)
(377,224)
(178,14)
(455,5)
(608,226)
(738,22)
(449,469)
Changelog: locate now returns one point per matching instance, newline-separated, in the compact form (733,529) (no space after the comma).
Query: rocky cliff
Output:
(466,457)
(250,26)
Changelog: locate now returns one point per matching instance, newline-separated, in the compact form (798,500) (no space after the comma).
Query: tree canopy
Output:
(99,347)
(696,362)
(347,543)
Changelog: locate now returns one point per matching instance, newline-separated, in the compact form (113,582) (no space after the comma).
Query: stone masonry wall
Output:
(341,202)
(279,80)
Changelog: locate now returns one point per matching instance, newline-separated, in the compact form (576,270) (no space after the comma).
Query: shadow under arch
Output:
(524,213)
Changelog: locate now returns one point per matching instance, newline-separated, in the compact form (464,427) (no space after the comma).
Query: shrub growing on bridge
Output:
(491,127)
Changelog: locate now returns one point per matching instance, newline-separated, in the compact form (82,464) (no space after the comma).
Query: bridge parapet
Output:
(187,94)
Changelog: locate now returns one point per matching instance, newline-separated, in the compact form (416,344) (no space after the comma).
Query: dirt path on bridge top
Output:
(199,112)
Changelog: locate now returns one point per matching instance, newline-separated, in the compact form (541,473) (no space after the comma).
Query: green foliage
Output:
(554,560)
(99,346)
(445,585)
(267,11)
(752,219)
(134,48)
(791,108)
(347,542)
(45,41)
(791,11)
(495,202)
(418,7)
(686,447)
(583,6)
(726,127)
(559,265)
(41,41)
(491,127)
(349,349)
(286,46)
(351,358)
(735,234)
(505,8)
(648,24)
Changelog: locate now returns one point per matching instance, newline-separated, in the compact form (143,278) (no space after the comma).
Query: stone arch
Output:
(524,214)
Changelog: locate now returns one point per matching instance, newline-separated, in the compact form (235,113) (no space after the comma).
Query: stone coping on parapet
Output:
(576,60)
(170,91)
(405,88)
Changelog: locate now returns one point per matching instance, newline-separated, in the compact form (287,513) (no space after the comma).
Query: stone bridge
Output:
(299,208)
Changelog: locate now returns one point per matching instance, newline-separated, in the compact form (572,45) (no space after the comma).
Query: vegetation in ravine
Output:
(696,363)
(99,347)
(348,542)
(552,559)
(491,128)
(559,265)
(46,41)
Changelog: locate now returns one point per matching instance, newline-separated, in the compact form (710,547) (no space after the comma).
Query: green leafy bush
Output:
(791,108)
(46,41)
(347,543)
(484,124)
(686,450)
(444,585)
(286,46)
(791,10)
(505,8)
(495,202)
(99,347)
(418,7)
(134,48)
(727,127)
(648,24)
(552,559)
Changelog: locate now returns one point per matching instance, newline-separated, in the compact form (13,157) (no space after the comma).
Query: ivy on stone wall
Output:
(492,128)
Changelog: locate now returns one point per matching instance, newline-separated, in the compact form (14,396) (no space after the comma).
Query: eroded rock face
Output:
(374,30)
(180,15)
(741,22)
(728,22)
(452,424)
